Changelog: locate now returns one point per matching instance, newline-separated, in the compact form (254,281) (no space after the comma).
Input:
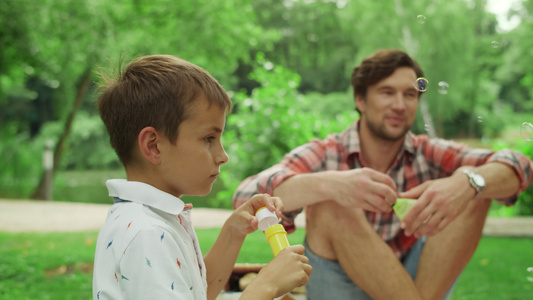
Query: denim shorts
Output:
(329,281)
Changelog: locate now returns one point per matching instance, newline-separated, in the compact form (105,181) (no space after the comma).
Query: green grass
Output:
(29,262)
(59,265)
(498,270)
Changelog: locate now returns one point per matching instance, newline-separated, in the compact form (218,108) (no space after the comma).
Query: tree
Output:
(64,41)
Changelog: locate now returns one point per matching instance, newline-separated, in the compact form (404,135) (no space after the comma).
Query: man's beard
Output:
(380,131)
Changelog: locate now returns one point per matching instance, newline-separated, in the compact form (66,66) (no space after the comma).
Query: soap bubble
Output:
(421,84)
(427,127)
(421,19)
(494,44)
(530,274)
(526,131)
(443,87)
(268,66)
(480,119)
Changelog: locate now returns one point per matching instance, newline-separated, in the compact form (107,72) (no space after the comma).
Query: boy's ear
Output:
(148,140)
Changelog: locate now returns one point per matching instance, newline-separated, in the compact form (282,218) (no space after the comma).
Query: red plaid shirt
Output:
(421,159)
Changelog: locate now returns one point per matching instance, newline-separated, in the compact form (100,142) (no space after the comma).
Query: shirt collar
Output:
(352,143)
(146,194)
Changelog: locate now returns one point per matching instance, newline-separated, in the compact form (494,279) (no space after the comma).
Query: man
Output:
(348,182)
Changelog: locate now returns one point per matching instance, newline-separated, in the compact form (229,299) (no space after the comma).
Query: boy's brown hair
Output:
(380,65)
(157,91)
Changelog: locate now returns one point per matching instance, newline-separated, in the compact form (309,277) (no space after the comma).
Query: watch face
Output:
(479,181)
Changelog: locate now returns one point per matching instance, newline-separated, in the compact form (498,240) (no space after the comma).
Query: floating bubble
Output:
(443,87)
(495,44)
(526,131)
(480,119)
(427,127)
(421,19)
(421,84)
(530,274)
(268,66)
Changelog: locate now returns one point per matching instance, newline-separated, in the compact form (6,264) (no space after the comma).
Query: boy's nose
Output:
(223,157)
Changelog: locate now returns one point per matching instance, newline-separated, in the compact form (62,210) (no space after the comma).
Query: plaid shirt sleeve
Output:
(448,156)
(317,155)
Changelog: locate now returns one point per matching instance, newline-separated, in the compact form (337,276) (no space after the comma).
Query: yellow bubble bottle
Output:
(274,232)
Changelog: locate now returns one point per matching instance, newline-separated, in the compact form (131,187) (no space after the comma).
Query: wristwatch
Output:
(476,181)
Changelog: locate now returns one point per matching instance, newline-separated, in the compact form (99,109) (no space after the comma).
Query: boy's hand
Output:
(288,270)
(243,218)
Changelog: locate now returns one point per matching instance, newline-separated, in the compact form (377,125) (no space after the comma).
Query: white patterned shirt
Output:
(147,248)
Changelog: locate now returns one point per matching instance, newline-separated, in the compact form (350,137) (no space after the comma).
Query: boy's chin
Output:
(201,193)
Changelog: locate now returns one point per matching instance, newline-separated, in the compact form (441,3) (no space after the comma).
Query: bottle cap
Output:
(266,218)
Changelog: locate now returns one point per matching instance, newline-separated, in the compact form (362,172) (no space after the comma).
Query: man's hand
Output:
(363,188)
(439,202)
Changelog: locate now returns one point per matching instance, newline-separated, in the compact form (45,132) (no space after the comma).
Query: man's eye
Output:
(209,139)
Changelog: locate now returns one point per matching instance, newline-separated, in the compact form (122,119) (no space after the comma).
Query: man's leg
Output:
(447,253)
(343,234)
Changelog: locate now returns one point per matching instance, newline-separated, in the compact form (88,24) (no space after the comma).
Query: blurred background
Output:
(285,63)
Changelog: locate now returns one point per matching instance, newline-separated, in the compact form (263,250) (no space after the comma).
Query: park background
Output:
(286,64)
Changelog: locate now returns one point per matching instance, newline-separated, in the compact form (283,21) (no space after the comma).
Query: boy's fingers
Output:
(278,206)
(297,249)
(261,200)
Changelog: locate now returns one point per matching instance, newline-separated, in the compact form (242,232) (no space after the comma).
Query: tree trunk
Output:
(42,191)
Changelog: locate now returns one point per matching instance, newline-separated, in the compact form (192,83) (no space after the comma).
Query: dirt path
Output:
(47,216)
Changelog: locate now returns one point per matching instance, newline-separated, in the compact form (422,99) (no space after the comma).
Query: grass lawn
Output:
(59,265)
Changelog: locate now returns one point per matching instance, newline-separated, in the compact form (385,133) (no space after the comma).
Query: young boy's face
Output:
(191,165)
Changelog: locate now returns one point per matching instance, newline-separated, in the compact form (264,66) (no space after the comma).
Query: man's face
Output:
(390,106)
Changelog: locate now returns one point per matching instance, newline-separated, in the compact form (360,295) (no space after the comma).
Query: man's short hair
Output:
(380,65)
(157,91)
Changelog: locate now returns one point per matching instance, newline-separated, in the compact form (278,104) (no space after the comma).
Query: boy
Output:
(165,118)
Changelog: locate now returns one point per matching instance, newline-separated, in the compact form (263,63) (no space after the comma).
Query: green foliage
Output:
(20,165)
(87,186)
(88,146)
(42,62)
(273,120)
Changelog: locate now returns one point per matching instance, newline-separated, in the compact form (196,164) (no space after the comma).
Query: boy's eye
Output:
(209,139)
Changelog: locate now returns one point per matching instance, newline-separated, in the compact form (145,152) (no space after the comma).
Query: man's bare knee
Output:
(331,215)
(328,224)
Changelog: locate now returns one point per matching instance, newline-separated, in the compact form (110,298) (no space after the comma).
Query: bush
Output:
(21,162)
(273,120)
